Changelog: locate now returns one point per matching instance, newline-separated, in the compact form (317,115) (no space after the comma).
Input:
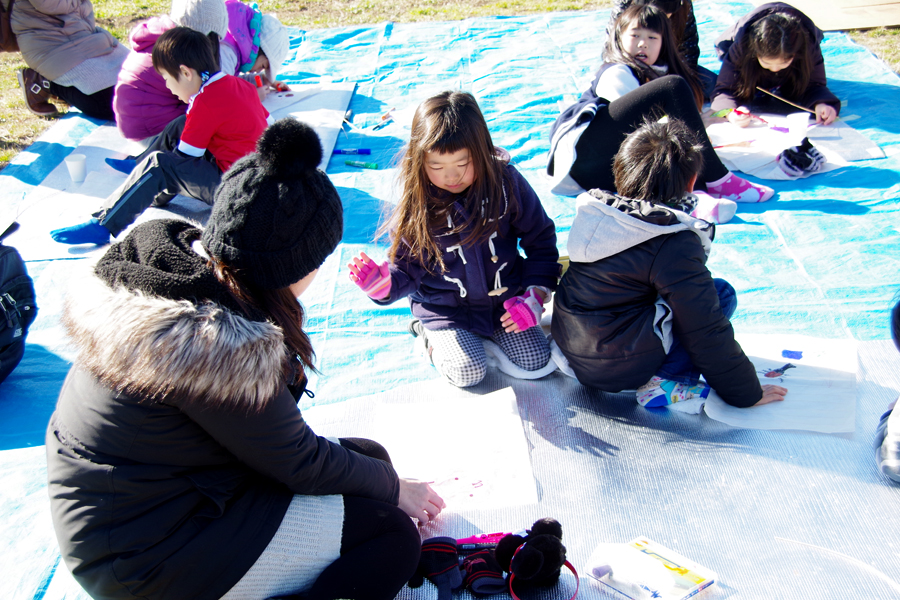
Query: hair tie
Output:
(204,76)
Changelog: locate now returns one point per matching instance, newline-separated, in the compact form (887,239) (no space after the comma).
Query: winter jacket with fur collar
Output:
(625,256)
(176,447)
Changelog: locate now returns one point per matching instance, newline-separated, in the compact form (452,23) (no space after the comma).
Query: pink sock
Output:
(732,187)
(716,210)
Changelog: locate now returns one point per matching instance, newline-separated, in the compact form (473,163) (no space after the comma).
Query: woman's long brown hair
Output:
(279,305)
(446,123)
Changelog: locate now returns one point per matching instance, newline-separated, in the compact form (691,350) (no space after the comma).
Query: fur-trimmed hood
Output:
(173,350)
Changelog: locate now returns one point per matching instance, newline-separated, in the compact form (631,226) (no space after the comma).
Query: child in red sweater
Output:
(223,122)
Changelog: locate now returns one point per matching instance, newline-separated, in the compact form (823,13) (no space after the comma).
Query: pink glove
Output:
(372,278)
(525,310)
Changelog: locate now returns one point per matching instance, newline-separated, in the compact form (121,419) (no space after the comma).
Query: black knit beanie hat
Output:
(276,217)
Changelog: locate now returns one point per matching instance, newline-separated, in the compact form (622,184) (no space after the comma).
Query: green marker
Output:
(359,163)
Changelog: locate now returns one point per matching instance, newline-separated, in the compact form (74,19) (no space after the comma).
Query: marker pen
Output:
(352,151)
(361,164)
(475,547)
(258,81)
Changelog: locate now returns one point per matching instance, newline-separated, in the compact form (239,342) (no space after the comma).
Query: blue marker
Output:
(353,151)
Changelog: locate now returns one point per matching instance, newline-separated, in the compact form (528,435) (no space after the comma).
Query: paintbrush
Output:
(776,96)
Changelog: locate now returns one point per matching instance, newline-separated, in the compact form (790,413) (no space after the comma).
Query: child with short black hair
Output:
(637,307)
(224,120)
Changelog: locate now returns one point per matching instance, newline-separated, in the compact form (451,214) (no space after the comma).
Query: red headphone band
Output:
(565,564)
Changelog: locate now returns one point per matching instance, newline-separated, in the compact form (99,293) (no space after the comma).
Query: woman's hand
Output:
(740,116)
(419,501)
(825,114)
(772,393)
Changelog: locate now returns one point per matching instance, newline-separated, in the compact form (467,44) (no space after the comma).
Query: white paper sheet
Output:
(764,144)
(472,448)
(322,106)
(820,376)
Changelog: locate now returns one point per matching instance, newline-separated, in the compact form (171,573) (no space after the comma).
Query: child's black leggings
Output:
(670,95)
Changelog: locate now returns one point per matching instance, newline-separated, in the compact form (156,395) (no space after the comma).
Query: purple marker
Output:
(352,151)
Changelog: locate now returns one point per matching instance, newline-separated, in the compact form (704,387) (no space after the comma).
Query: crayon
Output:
(359,163)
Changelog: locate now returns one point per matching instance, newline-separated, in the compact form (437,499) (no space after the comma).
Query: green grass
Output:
(884,42)
(19,128)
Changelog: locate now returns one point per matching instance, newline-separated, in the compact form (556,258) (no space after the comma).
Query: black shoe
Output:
(416,328)
(162,199)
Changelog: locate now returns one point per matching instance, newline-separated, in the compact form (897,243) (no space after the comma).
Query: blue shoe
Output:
(91,232)
(122,165)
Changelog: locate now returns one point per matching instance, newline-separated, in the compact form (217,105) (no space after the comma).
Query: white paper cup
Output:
(797,125)
(77,168)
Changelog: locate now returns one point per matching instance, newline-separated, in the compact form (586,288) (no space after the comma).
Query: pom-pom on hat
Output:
(273,39)
(205,16)
(276,216)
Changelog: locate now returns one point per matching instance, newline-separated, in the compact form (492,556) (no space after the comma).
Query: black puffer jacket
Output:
(176,447)
(626,256)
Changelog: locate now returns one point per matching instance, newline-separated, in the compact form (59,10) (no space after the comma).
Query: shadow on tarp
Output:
(47,156)
(559,423)
(854,176)
(821,205)
(35,385)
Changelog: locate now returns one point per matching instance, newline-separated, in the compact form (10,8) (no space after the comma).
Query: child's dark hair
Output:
(679,11)
(214,46)
(647,16)
(895,324)
(183,46)
(657,161)
(777,36)
(446,123)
